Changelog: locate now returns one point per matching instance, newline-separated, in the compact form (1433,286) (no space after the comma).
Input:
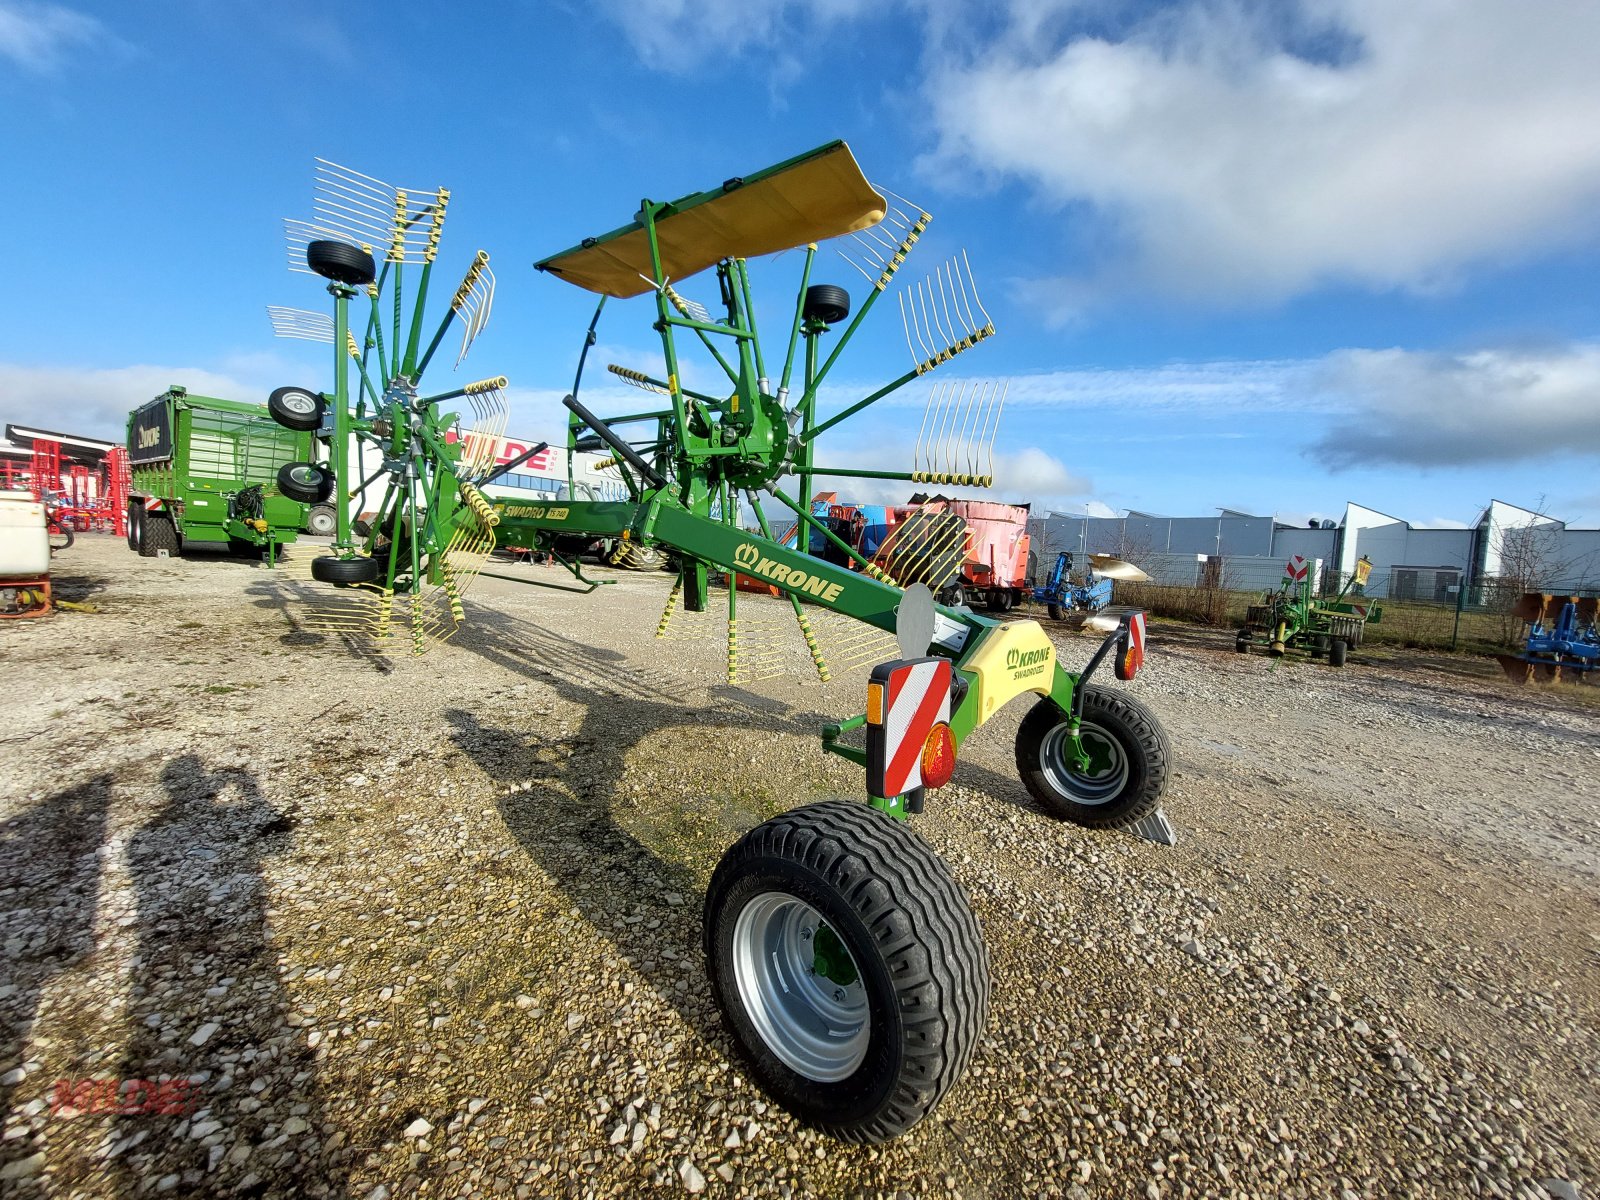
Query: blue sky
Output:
(1263,255)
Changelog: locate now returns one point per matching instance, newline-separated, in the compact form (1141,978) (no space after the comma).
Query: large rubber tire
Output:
(1129,753)
(999,600)
(296,408)
(826,302)
(1241,641)
(135,518)
(1338,651)
(1054,610)
(322,521)
(157,533)
(900,925)
(341,263)
(329,568)
(305,482)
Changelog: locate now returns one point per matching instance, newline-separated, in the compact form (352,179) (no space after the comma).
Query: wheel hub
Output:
(1104,778)
(832,960)
(800,987)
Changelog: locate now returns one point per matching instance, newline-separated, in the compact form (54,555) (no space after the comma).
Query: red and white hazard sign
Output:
(1295,569)
(1130,653)
(908,726)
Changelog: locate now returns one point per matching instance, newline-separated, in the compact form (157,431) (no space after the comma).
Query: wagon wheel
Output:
(296,408)
(305,482)
(849,967)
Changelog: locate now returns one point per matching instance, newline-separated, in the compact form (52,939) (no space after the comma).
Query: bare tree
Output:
(1529,560)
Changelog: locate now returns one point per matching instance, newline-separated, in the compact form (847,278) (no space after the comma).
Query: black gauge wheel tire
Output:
(1129,760)
(341,263)
(827,302)
(296,408)
(305,482)
(329,568)
(322,520)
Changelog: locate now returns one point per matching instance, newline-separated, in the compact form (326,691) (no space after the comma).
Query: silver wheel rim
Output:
(321,523)
(306,475)
(299,402)
(818,1028)
(1109,771)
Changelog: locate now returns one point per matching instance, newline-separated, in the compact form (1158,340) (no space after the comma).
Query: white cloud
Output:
(1492,405)
(1441,410)
(1032,475)
(36,37)
(95,402)
(1242,152)
(1226,386)
(677,36)
(1025,476)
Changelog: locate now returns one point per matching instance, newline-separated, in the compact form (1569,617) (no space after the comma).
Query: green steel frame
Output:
(686,477)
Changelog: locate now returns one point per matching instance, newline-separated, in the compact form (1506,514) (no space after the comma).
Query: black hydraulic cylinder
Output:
(513,464)
(623,451)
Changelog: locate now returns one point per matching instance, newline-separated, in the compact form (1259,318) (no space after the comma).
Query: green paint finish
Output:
(832,958)
(213,466)
(709,457)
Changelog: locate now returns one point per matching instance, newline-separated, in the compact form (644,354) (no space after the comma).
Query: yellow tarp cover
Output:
(817,196)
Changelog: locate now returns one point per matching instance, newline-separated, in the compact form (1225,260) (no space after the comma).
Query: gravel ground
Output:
(431,926)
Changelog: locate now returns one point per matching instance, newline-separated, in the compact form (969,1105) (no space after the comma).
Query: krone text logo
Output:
(1017,659)
(796,579)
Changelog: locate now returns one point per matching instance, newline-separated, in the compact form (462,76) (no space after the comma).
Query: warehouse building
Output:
(1245,552)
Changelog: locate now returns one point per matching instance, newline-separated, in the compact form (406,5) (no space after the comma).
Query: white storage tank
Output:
(24,543)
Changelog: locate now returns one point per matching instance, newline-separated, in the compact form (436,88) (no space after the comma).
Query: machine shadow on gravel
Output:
(50,864)
(206,998)
(652,700)
(565,811)
(285,596)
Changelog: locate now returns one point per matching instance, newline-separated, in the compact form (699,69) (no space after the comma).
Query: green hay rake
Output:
(431,532)
(1294,620)
(845,958)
